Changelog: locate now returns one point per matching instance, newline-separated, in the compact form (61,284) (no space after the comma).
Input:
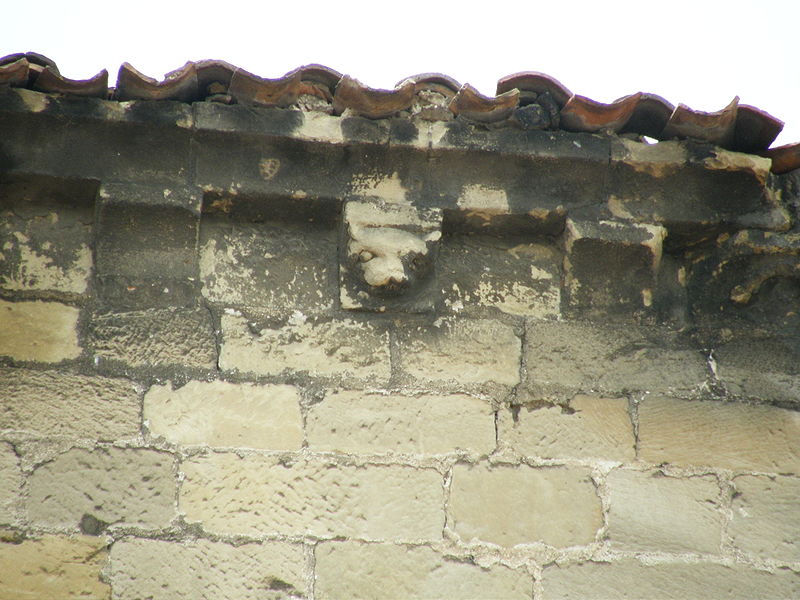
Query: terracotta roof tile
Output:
(528,99)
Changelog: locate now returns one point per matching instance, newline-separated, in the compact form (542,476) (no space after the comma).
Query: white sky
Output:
(700,53)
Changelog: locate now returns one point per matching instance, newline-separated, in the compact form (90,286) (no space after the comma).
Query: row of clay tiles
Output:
(528,100)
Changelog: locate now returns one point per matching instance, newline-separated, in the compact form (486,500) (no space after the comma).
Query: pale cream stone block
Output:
(379,571)
(359,422)
(510,505)
(649,511)
(219,413)
(38,331)
(720,434)
(204,569)
(10,483)
(260,495)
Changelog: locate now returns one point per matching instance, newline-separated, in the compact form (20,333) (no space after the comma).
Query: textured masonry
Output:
(258,352)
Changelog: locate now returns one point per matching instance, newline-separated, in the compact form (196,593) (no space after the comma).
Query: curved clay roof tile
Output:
(584,114)
(251,89)
(15,73)
(715,127)
(784,158)
(755,129)
(435,81)
(213,71)
(533,81)
(469,103)
(50,81)
(179,85)
(650,116)
(371,103)
(321,74)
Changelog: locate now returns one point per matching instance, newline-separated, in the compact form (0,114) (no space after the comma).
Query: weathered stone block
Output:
(277,266)
(351,570)
(10,483)
(562,357)
(611,267)
(460,350)
(218,413)
(155,338)
(203,569)
(589,428)
(38,331)
(765,369)
(320,347)
(508,505)
(628,578)
(45,246)
(725,435)
(112,485)
(652,512)
(259,494)
(53,567)
(516,278)
(55,403)
(358,422)
(765,520)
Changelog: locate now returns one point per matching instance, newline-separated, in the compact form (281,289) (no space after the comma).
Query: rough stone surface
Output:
(350,570)
(43,248)
(38,331)
(112,485)
(507,506)
(10,483)
(466,351)
(207,570)
(725,435)
(323,348)
(155,338)
(649,511)
(766,519)
(258,495)
(358,422)
(588,357)
(53,567)
(760,369)
(55,403)
(218,413)
(516,278)
(590,427)
(631,580)
(275,266)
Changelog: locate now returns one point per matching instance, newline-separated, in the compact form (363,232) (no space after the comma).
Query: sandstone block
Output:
(203,569)
(344,348)
(649,511)
(219,413)
(10,482)
(258,495)
(465,351)
(44,247)
(352,570)
(588,357)
(591,427)
(111,485)
(276,266)
(720,434)
(53,567)
(521,505)
(630,579)
(357,422)
(766,519)
(38,331)
(516,278)
(763,369)
(155,338)
(54,403)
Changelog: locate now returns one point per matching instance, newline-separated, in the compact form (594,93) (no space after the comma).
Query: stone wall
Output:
(257,353)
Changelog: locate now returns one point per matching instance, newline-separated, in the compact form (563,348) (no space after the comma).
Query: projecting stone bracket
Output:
(387,256)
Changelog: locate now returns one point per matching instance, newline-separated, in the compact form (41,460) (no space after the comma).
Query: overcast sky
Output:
(700,53)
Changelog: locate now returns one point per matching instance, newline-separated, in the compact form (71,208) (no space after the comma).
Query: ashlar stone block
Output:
(652,512)
(204,569)
(260,495)
(508,505)
(219,413)
(39,331)
(364,423)
(353,570)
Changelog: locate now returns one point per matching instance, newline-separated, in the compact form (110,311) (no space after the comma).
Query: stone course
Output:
(39,331)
